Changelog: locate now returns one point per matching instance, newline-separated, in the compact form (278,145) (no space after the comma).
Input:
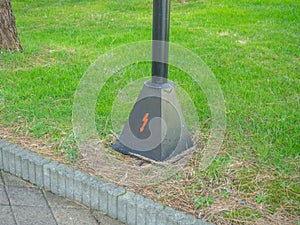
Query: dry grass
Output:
(235,193)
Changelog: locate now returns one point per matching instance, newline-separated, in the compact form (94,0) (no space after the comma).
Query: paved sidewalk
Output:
(22,203)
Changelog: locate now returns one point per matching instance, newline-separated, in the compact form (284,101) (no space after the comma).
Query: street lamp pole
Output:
(160,37)
(156,128)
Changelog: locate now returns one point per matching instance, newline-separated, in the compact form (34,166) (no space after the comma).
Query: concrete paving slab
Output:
(26,215)
(6,216)
(74,217)
(3,196)
(26,197)
(104,219)
(11,180)
(31,205)
(60,202)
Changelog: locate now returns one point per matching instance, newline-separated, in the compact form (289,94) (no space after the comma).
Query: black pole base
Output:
(156,128)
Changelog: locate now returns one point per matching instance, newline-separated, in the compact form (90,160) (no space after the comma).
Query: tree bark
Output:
(9,39)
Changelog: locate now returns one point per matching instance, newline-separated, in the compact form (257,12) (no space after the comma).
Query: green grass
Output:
(252,47)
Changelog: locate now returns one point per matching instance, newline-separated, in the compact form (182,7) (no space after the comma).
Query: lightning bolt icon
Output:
(145,121)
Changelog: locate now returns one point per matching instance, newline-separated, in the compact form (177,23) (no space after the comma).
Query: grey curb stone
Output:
(123,201)
(188,219)
(47,171)
(131,210)
(86,191)
(77,187)
(154,211)
(61,180)
(113,193)
(142,205)
(8,157)
(170,212)
(103,198)
(4,158)
(24,165)
(94,200)
(115,201)
(178,216)
(162,219)
(36,171)
(54,179)
(3,145)
(69,175)
(39,170)
(11,160)
(18,162)
(31,169)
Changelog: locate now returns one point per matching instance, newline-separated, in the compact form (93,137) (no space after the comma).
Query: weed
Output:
(261,198)
(69,148)
(205,201)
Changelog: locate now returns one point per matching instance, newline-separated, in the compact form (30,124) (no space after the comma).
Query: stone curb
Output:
(97,194)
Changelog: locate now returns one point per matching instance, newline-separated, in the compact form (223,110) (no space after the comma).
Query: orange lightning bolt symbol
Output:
(145,120)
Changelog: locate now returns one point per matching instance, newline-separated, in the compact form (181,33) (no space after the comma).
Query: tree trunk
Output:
(9,39)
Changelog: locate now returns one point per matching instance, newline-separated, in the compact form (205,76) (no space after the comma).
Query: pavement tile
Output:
(3,196)
(27,215)
(11,180)
(60,202)
(6,216)
(104,219)
(26,197)
(30,206)
(74,217)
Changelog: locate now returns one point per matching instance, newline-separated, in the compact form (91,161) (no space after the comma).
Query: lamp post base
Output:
(156,128)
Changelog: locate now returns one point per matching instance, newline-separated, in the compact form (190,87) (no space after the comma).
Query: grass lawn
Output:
(252,47)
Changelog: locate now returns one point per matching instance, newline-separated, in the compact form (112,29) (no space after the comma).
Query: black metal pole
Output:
(160,37)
